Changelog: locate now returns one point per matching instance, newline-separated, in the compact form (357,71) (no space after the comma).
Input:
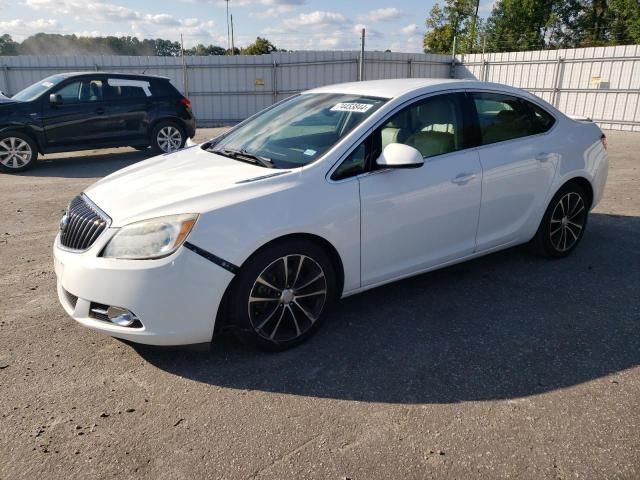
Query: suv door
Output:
(519,162)
(414,219)
(130,100)
(80,118)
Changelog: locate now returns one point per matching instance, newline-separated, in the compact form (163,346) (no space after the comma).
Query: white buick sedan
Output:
(326,194)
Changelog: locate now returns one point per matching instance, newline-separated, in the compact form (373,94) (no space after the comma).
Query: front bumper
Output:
(175,298)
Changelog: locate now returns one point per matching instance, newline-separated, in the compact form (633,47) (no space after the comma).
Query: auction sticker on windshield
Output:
(351,107)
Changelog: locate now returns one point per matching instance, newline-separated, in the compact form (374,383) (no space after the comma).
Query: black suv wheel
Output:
(17,152)
(167,137)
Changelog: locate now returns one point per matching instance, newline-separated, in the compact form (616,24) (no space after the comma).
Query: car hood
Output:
(189,181)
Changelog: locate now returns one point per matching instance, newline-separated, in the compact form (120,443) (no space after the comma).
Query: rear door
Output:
(519,155)
(81,118)
(130,101)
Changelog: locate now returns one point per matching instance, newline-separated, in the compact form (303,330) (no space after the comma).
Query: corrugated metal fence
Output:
(228,89)
(602,83)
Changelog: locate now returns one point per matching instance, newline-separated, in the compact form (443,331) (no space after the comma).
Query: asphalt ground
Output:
(508,366)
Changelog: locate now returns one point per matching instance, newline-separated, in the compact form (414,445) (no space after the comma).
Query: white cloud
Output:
(20,29)
(317,19)
(409,29)
(381,15)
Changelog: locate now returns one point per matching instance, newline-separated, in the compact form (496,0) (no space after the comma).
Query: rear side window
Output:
(123,88)
(161,88)
(505,117)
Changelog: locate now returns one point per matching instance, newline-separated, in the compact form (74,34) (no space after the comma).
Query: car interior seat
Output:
(434,134)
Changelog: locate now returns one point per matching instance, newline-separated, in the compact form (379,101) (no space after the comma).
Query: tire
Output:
(18,152)
(167,137)
(283,317)
(564,223)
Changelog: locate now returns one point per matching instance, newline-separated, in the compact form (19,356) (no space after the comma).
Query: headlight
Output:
(154,238)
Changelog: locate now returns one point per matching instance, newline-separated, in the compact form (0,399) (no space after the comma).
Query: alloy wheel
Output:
(287,298)
(169,139)
(567,221)
(15,152)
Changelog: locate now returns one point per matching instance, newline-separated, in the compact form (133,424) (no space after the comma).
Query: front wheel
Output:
(564,222)
(167,137)
(17,152)
(282,294)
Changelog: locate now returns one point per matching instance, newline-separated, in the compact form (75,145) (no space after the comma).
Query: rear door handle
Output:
(463,178)
(544,157)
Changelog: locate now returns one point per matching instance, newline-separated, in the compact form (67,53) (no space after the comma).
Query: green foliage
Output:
(261,46)
(7,45)
(516,25)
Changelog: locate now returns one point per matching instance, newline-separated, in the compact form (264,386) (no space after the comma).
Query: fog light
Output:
(121,316)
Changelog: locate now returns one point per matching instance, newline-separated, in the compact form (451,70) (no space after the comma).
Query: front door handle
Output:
(463,178)
(544,157)
(99,110)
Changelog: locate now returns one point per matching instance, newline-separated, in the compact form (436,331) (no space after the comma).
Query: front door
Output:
(80,118)
(415,219)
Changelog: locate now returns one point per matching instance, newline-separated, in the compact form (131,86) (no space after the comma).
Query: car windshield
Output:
(34,91)
(298,131)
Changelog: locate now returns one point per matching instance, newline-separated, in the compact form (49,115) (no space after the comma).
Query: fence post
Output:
(485,70)
(452,70)
(409,62)
(5,72)
(275,81)
(557,81)
(361,69)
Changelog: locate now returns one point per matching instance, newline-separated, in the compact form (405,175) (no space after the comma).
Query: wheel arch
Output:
(583,183)
(23,130)
(323,243)
(165,118)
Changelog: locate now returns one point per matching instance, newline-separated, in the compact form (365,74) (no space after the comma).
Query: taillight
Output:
(603,139)
(186,102)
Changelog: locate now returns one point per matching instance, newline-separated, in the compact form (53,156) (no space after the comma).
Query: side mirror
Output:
(397,155)
(55,99)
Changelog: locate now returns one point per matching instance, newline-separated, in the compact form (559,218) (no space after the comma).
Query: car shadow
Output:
(90,164)
(503,326)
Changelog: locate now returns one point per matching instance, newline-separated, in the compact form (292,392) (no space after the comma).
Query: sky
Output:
(289,24)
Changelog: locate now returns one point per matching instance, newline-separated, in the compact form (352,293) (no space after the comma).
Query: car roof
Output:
(114,74)
(401,86)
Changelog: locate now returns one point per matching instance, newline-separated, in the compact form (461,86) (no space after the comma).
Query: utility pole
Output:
(233,48)
(361,69)
(473,29)
(228,35)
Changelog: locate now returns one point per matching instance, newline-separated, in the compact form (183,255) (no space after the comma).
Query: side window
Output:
(122,88)
(505,117)
(160,88)
(81,91)
(542,120)
(433,126)
(353,165)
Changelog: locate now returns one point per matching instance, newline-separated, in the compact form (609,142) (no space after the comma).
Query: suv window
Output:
(162,88)
(505,117)
(123,88)
(81,91)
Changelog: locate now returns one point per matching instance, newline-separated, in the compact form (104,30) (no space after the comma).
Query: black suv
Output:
(81,111)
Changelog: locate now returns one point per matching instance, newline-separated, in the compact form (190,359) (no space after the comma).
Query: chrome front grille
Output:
(82,224)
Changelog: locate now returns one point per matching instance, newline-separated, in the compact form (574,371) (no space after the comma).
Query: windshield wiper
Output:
(245,156)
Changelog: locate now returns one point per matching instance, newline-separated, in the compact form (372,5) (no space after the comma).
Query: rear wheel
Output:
(282,294)
(167,137)
(564,222)
(17,152)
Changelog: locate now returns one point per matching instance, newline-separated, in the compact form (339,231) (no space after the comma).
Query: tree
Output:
(8,46)
(456,19)
(261,46)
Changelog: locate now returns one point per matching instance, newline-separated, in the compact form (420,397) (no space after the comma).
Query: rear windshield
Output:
(301,129)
